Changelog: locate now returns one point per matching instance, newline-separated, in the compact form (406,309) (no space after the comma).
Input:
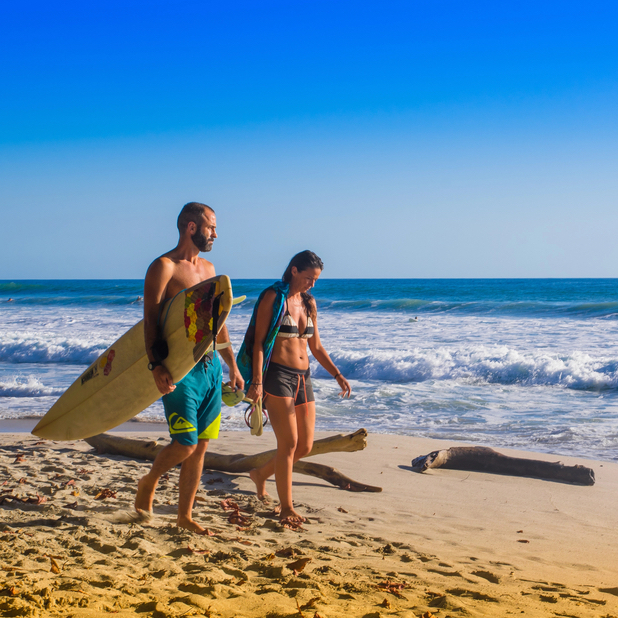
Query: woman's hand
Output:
(346,389)
(255,392)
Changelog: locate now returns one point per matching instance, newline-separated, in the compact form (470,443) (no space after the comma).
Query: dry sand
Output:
(443,543)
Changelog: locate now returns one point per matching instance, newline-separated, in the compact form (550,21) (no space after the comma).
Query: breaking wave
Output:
(37,348)
(479,364)
(27,387)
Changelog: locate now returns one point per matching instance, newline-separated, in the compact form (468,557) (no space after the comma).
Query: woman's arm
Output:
(321,355)
(262,322)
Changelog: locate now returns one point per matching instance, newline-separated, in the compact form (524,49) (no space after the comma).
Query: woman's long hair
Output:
(303,261)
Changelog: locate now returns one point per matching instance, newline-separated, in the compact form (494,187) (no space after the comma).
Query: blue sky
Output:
(395,139)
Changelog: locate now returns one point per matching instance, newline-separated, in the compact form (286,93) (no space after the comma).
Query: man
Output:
(197,397)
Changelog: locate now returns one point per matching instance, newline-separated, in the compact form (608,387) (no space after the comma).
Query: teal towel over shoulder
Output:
(244,359)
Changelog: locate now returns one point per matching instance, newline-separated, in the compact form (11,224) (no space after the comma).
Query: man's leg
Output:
(181,414)
(170,456)
(208,422)
(190,475)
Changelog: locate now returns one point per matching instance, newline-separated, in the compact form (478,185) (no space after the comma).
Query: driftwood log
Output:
(143,449)
(483,459)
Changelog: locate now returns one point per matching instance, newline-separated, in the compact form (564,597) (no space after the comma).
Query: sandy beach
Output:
(442,543)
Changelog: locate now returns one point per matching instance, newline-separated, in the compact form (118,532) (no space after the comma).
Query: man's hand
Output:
(163,379)
(236,381)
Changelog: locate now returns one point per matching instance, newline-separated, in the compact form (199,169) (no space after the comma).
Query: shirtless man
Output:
(197,397)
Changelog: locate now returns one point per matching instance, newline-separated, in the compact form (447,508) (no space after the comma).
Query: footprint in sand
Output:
(490,577)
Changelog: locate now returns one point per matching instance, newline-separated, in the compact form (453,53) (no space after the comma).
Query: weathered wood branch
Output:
(483,459)
(142,449)
(332,476)
(106,444)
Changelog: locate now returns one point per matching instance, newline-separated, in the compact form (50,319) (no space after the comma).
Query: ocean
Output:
(529,364)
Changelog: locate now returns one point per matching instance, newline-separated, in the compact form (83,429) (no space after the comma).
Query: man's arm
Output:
(155,285)
(227,354)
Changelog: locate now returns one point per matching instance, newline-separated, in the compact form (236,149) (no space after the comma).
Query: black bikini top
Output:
(289,328)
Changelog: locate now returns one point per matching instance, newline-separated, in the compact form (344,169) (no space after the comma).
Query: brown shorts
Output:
(283,381)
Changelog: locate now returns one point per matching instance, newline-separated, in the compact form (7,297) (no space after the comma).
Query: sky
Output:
(429,138)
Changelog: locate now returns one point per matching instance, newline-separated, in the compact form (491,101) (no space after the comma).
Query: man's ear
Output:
(191,227)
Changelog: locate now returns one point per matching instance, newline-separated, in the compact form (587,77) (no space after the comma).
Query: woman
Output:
(274,360)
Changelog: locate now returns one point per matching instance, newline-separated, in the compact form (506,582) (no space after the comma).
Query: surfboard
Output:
(119,385)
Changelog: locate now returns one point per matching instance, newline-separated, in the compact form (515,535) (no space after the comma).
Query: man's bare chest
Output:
(186,278)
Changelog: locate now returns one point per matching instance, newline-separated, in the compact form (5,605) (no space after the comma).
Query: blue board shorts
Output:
(193,408)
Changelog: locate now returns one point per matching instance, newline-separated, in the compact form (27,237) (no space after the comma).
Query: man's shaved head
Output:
(193,211)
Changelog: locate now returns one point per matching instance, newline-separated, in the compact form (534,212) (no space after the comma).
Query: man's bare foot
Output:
(193,526)
(260,484)
(290,514)
(145,494)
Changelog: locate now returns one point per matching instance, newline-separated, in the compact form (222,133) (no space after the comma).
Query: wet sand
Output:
(442,543)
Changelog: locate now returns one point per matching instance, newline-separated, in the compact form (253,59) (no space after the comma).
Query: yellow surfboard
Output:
(118,385)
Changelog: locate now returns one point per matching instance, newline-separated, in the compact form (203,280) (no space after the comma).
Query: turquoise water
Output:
(515,297)
(523,363)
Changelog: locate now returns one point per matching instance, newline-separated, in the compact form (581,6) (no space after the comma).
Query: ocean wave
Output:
(408,306)
(77,300)
(476,307)
(479,364)
(27,387)
(509,298)
(72,292)
(38,348)
(19,286)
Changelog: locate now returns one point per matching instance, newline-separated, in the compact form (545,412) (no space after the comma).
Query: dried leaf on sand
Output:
(103,494)
(298,565)
(198,551)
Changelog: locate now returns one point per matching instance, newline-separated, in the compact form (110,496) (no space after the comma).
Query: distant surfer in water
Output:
(274,360)
(193,406)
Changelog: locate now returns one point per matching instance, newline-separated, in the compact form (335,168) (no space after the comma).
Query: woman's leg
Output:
(294,428)
(283,419)
(264,472)
(305,427)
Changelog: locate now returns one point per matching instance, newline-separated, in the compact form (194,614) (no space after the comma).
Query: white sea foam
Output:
(44,347)
(541,381)
(29,386)
(478,364)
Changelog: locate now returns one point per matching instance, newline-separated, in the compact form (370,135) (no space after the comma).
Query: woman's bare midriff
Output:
(291,353)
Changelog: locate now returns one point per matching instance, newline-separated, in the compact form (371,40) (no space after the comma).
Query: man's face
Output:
(206,233)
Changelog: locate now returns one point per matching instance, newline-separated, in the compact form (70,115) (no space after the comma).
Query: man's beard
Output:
(201,241)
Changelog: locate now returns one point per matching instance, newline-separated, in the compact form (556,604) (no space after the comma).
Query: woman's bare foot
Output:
(133,517)
(260,484)
(289,514)
(145,494)
(193,526)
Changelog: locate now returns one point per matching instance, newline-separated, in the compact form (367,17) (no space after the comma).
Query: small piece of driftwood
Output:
(332,476)
(483,459)
(143,449)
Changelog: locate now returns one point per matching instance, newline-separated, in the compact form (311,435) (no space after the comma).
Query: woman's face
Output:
(304,280)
